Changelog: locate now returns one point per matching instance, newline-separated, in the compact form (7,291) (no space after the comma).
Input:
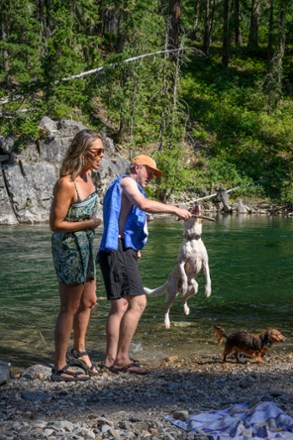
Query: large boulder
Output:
(27,179)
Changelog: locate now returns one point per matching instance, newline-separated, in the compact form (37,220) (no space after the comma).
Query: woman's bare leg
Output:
(82,317)
(70,296)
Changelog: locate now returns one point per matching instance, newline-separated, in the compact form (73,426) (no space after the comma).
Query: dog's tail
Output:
(220,333)
(155,292)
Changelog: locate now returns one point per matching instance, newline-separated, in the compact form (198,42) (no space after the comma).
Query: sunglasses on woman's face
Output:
(97,152)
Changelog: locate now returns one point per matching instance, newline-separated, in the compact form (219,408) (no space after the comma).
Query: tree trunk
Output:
(238,36)
(271,31)
(5,57)
(226,35)
(197,9)
(207,26)
(253,29)
(282,39)
(273,82)
(174,23)
(164,91)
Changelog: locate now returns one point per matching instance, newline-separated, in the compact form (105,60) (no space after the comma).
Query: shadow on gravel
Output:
(164,389)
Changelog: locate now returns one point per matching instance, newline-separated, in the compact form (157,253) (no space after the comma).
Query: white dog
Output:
(191,258)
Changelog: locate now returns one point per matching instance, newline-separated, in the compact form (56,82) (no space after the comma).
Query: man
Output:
(125,234)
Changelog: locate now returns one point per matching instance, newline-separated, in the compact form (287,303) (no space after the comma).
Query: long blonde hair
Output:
(75,158)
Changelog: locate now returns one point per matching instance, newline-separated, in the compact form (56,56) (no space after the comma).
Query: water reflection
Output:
(251,268)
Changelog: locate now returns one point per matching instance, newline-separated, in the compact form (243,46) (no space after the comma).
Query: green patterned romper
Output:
(73,254)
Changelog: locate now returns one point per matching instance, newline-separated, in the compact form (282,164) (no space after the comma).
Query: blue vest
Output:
(135,231)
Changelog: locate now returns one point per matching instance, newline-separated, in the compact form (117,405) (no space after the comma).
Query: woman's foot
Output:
(82,360)
(67,374)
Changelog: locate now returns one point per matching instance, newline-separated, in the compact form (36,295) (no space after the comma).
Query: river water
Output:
(251,264)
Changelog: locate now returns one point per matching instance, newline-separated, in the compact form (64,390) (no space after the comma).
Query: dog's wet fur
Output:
(252,345)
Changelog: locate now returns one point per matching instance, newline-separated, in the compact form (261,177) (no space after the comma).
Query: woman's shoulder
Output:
(64,183)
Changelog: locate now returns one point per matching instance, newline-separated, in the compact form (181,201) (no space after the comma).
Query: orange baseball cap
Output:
(143,159)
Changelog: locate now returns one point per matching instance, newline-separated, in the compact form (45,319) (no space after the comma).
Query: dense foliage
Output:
(203,85)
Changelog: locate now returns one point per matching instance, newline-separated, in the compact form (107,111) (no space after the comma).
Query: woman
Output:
(73,222)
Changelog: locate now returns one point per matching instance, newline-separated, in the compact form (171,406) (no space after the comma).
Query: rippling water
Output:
(251,263)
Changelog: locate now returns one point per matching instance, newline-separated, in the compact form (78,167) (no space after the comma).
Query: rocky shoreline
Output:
(128,406)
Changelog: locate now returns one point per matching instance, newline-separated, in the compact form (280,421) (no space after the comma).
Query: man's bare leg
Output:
(128,327)
(117,311)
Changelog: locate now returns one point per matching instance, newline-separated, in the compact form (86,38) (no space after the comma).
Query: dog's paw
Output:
(167,322)
(208,292)
(186,309)
(184,288)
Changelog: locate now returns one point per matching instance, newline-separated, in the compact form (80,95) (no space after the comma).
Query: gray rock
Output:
(125,424)
(105,428)
(48,432)
(100,421)
(6,145)
(61,425)
(5,372)
(241,208)
(7,214)
(180,415)
(85,433)
(35,396)
(27,179)
(39,424)
(47,127)
(36,372)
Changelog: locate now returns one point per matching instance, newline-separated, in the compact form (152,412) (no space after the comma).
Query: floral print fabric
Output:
(73,254)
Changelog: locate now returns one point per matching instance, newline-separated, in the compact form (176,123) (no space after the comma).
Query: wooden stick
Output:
(213,195)
(201,216)
(204,217)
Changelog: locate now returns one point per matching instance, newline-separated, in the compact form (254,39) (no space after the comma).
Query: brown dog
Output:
(250,344)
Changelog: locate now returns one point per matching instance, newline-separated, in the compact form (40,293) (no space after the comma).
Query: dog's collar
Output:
(192,236)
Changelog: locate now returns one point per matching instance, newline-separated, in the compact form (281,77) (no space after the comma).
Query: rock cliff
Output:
(27,178)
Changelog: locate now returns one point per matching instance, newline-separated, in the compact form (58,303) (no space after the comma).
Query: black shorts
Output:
(120,272)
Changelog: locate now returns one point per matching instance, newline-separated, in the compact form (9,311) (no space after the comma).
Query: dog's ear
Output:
(266,339)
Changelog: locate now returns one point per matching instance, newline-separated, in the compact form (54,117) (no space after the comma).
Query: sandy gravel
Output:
(128,406)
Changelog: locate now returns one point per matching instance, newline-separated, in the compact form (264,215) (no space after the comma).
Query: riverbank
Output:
(127,406)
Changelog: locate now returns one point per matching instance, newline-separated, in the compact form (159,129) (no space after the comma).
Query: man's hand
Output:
(138,255)
(183,213)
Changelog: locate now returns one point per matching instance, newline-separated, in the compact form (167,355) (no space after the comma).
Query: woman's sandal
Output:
(74,358)
(64,375)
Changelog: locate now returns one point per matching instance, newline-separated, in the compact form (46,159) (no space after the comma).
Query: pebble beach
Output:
(128,406)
